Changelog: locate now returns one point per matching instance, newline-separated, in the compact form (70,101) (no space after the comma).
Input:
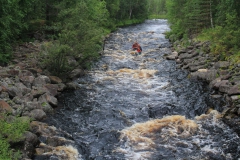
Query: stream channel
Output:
(143,107)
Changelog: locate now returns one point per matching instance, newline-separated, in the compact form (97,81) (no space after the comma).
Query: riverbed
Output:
(143,107)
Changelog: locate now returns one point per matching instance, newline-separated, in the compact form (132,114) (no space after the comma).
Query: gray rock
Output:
(72,86)
(224,86)
(27,80)
(29,106)
(49,99)
(172,56)
(55,79)
(14,91)
(31,141)
(41,80)
(212,84)
(38,91)
(204,74)
(52,89)
(37,114)
(5,107)
(221,64)
(76,73)
(234,90)
(187,55)
(23,88)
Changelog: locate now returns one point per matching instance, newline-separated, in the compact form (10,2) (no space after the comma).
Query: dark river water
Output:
(143,107)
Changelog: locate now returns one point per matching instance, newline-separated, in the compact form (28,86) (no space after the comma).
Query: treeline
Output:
(157,8)
(76,26)
(215,20)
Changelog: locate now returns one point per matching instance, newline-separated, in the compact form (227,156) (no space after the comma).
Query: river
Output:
(143,107)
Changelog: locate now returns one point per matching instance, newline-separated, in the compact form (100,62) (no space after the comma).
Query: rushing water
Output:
(143,107)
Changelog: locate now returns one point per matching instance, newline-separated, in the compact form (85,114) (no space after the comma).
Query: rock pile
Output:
(25,91)
(223,77)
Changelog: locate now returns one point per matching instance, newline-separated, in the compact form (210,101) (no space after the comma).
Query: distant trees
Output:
(157,7)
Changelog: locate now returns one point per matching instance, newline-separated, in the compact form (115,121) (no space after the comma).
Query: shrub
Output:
(11,131)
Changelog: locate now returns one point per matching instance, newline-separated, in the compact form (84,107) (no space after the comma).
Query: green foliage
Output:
(157,9)
(54,57)
(11,131)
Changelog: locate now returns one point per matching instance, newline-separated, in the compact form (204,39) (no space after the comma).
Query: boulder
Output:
(25,73)
(23,89)
(205,74)
(172,56)
(76,73)
(41,80)
(234,90)
(224,86)
(72,86)
(27,80)
(37,114)
(31,141)
(5,107)
(221,65)
(52,89)
(49,99)
(55,79)
(187,55)
(36,92)
(14,91)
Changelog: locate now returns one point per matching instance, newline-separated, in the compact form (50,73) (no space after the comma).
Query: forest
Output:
(217,21)
(78,27)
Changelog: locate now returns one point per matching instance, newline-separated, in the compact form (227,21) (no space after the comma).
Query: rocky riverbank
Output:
(223,77)
(29,92)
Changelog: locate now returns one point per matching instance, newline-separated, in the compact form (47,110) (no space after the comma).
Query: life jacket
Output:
(138,49)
